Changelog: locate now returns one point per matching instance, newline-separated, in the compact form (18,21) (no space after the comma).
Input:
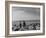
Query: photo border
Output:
(7,3)
(31,31)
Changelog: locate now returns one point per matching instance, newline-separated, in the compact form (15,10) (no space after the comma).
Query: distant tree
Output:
(15,25)
(24,24)
(34,26)
(20,24)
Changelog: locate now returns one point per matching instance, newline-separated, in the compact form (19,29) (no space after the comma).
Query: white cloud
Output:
(26,14)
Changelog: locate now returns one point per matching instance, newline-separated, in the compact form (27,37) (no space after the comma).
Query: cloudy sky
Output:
(25,13)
